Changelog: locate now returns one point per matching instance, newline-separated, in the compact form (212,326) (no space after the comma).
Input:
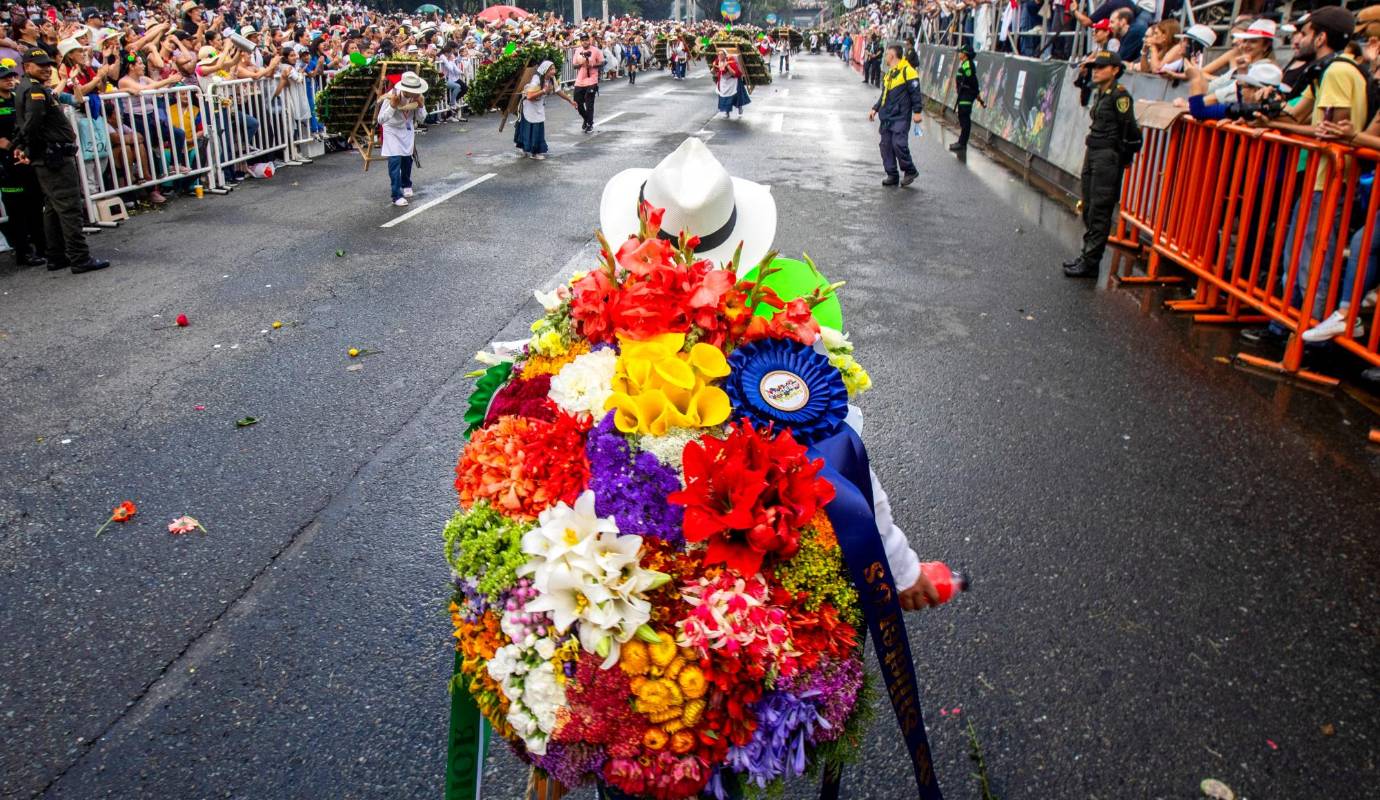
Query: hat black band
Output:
(708,241)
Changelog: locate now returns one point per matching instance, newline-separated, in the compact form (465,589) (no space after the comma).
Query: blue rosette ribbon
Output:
(787,384)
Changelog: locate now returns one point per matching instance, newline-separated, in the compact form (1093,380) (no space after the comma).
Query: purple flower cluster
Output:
(571,763)
(785,724)
(475,602)
(630,489)
(834,687)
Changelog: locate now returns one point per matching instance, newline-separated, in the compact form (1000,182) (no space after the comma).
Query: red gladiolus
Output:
(749,495)
(182,320)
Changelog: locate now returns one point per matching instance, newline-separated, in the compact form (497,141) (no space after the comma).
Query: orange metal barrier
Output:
(1231,205)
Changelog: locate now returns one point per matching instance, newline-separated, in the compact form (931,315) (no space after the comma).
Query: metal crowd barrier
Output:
(1232,205)
(244,123)
(139,142)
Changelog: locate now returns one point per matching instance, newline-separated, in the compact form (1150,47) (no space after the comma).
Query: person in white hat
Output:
(400,112)
(701,199)
(530,136)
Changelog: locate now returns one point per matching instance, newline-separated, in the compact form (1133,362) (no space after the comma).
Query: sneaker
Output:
(891,180)
(407,192)
(1332,327)
(740,113)
(89,265)
(909,178)
(539,157)
(401,201)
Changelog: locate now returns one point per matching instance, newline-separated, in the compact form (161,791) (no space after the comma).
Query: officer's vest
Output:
(897,76)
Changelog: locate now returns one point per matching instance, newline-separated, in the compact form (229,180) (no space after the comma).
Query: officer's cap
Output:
(38,56)
(7,71)
(1106,58)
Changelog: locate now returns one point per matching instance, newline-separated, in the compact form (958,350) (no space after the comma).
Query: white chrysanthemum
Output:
(584,385)
(528,680)
(670,449)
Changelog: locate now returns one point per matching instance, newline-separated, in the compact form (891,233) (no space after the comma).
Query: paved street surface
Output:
(1175,562)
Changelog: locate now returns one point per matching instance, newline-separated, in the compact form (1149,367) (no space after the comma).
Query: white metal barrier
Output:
(245,124)
(139,142)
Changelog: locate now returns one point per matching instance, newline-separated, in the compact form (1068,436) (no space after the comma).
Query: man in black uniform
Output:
(18,186)
(899,107)
(46,140)
(965,80)
(1113,141)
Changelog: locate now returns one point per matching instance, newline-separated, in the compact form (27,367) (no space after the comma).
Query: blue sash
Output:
(855,525)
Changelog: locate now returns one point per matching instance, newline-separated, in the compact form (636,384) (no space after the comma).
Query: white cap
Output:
(1262,73)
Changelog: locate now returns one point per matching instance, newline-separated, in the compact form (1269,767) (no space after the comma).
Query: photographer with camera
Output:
(1113,141)
(45,139)
(588,60)
(1257,91)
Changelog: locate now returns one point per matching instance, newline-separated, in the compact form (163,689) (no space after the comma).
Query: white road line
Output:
(609,118)
(776,121)
(437,201)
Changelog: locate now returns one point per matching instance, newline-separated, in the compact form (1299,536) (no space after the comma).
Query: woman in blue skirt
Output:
(530,137)
(729,84)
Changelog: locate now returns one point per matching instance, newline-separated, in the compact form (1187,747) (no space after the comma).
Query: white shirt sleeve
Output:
(900,556)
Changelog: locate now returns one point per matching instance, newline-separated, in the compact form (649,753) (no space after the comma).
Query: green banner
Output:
(468,736)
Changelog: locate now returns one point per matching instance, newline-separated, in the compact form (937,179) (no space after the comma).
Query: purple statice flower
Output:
(571,763)
(632,489)
(833,686)
(785,723)
(474,602)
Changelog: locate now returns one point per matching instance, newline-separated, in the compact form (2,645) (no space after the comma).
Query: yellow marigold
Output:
(682,742)
(664,651)
(633,658)
(538,364)
(691,682)
(658,387)
(654,739)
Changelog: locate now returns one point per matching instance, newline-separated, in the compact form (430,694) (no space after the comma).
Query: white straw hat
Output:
(412,83)
(700,198)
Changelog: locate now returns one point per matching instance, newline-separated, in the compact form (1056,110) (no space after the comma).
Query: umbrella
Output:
(428,8)
(501,12)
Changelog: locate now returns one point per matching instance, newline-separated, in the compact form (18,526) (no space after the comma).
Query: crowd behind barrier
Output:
(1238,208)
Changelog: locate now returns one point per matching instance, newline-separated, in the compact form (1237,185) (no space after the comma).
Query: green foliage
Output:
(484,545)
(818,571)
(492,78)
(351,91)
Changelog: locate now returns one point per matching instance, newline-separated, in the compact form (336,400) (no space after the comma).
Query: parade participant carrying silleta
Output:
(530,137)
(400,112)
(730,84)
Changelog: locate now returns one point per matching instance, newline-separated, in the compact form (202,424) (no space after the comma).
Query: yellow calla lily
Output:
(657,386)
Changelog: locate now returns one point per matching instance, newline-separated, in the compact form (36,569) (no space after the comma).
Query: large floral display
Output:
(648,591)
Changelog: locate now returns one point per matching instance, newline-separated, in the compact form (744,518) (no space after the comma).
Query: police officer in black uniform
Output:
(46,140)
(1113,141)
(966,83)
(899,106)
(18,185)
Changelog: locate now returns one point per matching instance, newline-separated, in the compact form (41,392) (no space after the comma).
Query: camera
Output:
(1192,48)
(1270,107)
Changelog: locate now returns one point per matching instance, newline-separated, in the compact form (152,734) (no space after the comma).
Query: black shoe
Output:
(55,264)
(1080,269)
(31,260)
(1264,335)
(89,265)
(891,180)
(909,178)
(1371,376)
(957,147)
(1072,262)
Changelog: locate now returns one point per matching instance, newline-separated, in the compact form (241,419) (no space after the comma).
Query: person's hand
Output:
(21,157)
(1340,129)
(4,143)
(872,115)
(916,118)
(921,594)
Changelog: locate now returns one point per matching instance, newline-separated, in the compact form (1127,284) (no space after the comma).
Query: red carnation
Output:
(749,495)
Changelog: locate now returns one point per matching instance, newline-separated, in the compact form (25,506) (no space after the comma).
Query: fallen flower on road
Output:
(198,408)
(353,352)
(245,422)
(182,321)
(1271,743)
(340,254)
(356,352)
(1211,787)
(185,524)
(277,324)
(121,513)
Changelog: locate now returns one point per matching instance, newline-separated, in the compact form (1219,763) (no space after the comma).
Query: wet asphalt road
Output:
(1175,562)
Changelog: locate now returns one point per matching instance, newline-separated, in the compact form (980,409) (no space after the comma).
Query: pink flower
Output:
(185,524)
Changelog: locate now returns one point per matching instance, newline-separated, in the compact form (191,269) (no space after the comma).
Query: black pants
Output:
(896,148)
(965,121)
(872,71)
(584,103)
(24,205)
(785,63)
(1101,190)
(62,211)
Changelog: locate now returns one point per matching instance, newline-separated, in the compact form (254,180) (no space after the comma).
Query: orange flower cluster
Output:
(668,688)
(477,642)
(537,364)
(523,466)
(823,530)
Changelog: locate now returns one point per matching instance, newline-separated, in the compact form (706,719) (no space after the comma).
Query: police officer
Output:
(899,107)
(18,186)
(1113,141)
(966,82)
(46,140)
